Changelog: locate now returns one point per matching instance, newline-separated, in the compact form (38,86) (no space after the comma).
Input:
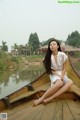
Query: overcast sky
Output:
(48,18)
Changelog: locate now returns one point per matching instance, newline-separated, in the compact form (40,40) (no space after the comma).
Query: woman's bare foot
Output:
(37,102)
(45,102)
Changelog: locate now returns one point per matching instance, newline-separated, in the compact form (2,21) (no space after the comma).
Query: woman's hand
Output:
(55,73)
(61,77)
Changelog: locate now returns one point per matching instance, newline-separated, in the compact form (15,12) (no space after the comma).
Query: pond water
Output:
(11,81)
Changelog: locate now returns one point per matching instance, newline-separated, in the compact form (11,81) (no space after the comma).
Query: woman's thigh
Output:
(67,80)
(58,83)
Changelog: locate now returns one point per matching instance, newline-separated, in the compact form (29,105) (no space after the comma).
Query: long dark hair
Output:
(47,59)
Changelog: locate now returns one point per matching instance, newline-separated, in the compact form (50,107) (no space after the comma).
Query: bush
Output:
(2,65)
(14,59)
(2,54)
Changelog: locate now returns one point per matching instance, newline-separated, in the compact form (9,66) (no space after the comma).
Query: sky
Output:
(48,18)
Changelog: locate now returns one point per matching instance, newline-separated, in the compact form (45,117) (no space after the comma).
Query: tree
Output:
(4,46)
(74,39)
(47,41)
(15,46)
(33,42)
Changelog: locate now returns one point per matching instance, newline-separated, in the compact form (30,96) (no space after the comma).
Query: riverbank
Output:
(7,61)
(33,60)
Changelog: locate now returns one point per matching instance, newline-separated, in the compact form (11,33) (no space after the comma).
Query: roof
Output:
(65,47)
(70,48)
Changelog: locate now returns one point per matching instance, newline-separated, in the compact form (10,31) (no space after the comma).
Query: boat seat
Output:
(8,102)
(43,87)
(22,96)
(30,93)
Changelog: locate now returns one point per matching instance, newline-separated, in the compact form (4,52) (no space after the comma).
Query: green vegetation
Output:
(2,54)
(2,60)
(47,41)
(2,65)
(34,57)
(75,54)
(4,46)
(33,42)
(7,61)
(14,59)
(74,39)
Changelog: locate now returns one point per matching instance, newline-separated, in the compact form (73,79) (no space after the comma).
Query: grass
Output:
(34,57)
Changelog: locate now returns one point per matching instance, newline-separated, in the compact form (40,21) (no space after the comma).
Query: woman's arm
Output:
(54,72)
(64,70)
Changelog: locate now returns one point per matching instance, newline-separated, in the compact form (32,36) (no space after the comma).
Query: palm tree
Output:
(4,46)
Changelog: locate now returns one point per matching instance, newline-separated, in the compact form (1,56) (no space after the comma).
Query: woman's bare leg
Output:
(59,92)
(49,92)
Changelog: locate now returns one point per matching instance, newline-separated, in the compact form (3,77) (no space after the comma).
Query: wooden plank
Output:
(74,107)
(72,75)
(32,114)
(18,109)
(48,111)
(58,115)
(22,113)
(23,96)
(40,113)
(67,114)
(18,115)
(35,114)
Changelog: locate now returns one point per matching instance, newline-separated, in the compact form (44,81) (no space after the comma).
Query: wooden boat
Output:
(18,105)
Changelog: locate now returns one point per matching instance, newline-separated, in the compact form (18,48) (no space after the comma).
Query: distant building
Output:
(14,52)
(42,49)
(64,48)
(24,50)
(21,50)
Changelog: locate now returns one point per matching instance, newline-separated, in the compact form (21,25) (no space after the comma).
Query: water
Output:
(12,81)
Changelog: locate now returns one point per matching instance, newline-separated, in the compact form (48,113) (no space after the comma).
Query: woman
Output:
(55,65)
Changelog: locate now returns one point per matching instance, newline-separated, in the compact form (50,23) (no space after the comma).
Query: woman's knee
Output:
(60,83)
(70,82)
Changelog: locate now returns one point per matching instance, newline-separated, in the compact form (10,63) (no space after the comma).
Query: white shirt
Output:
(58,66)
(61,58)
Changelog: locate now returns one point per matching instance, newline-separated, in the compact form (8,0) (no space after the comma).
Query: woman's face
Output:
(53,46)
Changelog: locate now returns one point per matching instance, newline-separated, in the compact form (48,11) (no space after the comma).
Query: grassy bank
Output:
(34,57)
(7,61)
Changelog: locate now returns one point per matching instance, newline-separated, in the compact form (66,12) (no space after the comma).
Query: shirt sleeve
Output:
(65,57)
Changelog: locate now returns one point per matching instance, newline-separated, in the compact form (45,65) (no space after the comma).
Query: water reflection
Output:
(13,80)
